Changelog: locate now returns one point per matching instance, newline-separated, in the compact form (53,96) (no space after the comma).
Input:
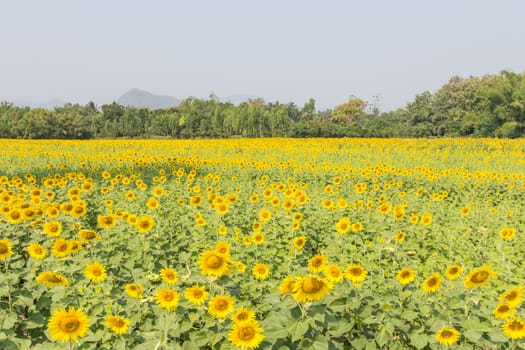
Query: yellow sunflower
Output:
(134,290)
(426,219)
(196,295)
(243,314)
(507,233)
(514,328)
(144,224)
(299,242)
(333,273)
(52,279)
(53,229)
(117,324)
(261,271)
(69,325)
(213,263)
(107,221)
(356,274)
(453,272)
(220,306)
(478,277)
(432,283)
(287,285)
(60,248)
(87,236)
(265,215)
(310,288)
(406,276)
(6,250)
(95,272)
(504,311)
(447,336)
(36,251)
(246,335)
(169,276)
(222,248)
(513,297)
(400,237)
(317,263)
(258,238)
(152,203)
(343,226)
(167,299)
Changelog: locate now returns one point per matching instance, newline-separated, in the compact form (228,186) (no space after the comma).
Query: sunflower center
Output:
(480,277)
(54,278)
(446,334)
(214,262)
(432,282)
(511,296)
(246,333)
(221,305)
(197,294)
(15,215)
(169,275)
(405,274)
(355,271)
(312,285)
(144,224)
(69,324)
(503,308)
(37,250)
(3,248)
(261,270)
(62,247)
(118,322)
(516,326)
(96,272)
(317,262)
(168,296)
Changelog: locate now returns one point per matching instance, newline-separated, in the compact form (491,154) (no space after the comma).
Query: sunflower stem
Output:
(8,282)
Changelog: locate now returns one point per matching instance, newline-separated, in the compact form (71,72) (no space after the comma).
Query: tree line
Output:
(488,106)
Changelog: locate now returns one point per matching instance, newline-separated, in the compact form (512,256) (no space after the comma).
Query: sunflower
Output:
(220,306)
(265,215)
(258,238)
(246,335)
(74,246)
(299,242)
(317,263)
(52,279)
(36,251)
(87,236)
(287,285)
(144,224)
(169,276)
(507,233)
(512,297)
(426,219)
(432,283)
(310,288)
(213,263)
(70,325)
(478,277)
(504,311)
(514,328)
(333,273)
(222,248)
(152,203)
(53,229)
(261,271)
(195,201)
(134,290)
(406,276)
(107,221)
(95,272)
(243,314)
(453,272)
(167,299)
(5,249)
(196,295)
(117,324)
(222,208)
(356,274)
(343,226)
(447,336)
(60,248)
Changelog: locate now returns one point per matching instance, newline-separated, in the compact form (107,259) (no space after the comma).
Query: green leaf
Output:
(299,330)
(418,340)
(8,321)
(34,321)
(473,335)
(359,343)
(342,328)
(382,338)
(498,337)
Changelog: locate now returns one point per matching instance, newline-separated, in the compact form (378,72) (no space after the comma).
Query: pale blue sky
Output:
(286,50)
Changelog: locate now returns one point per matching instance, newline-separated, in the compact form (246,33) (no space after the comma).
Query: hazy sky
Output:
(286,50)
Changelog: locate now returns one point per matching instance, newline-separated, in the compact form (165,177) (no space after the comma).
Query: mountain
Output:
(141,98)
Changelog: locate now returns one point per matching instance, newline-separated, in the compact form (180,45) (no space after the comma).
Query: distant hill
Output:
(141,98)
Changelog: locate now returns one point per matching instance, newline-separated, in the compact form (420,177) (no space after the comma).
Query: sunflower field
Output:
(262,243)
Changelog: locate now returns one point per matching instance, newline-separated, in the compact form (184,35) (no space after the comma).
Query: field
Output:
(262,243)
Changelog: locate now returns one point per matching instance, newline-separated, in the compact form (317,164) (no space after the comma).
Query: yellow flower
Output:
(66,326)
(107,221)
(261,271)
(310,288)
(196,295)
(144,224)
(169,276)
(513,297)
(426,219)
(213,263)
(453,272)
(447,336)
(432,283)
(507,233)
(87,236)
(514,328)
(222,248)
(406,276)
(117,324)
(356,274)
(343,226)
(52,279)
(5,249)
(220,306)
(504,311)
(95,272)
(35,251)
(317,263)
(400,236)
(333,273)
(152,203)
(53,229)
(478,277)
(246,335)
(265,215)
(167,299)
(287,285)
(134,290)
(60,248)
(243,314)
(299,242)
(258,238)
